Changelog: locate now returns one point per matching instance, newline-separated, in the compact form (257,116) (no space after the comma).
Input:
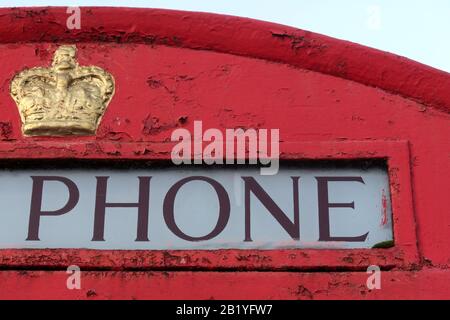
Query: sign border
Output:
(404,254)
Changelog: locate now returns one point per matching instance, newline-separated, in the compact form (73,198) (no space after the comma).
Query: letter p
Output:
(36,203)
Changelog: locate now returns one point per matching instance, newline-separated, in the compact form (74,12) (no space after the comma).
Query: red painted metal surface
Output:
(331,100)
(426,284)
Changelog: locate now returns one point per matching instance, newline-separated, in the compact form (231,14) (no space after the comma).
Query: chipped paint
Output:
(234,72)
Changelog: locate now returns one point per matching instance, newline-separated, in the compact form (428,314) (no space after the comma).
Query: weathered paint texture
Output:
(330,99)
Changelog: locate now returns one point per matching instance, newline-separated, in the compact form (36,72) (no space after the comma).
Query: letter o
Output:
(224,208)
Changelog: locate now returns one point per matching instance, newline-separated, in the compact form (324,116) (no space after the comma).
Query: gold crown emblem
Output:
(63,99)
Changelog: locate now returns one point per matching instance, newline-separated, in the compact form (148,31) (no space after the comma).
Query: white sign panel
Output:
(209,208)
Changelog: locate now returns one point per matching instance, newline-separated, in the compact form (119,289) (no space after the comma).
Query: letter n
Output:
(292,228)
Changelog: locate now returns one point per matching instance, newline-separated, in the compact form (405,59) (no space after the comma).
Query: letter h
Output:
(142,205)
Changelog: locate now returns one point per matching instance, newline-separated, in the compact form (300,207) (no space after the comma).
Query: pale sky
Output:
(417,29)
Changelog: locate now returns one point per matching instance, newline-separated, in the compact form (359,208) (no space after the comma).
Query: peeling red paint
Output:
(227,285)
(5,130)
(330,99)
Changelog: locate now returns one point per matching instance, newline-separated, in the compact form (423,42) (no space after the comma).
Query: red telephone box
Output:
(333,101)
